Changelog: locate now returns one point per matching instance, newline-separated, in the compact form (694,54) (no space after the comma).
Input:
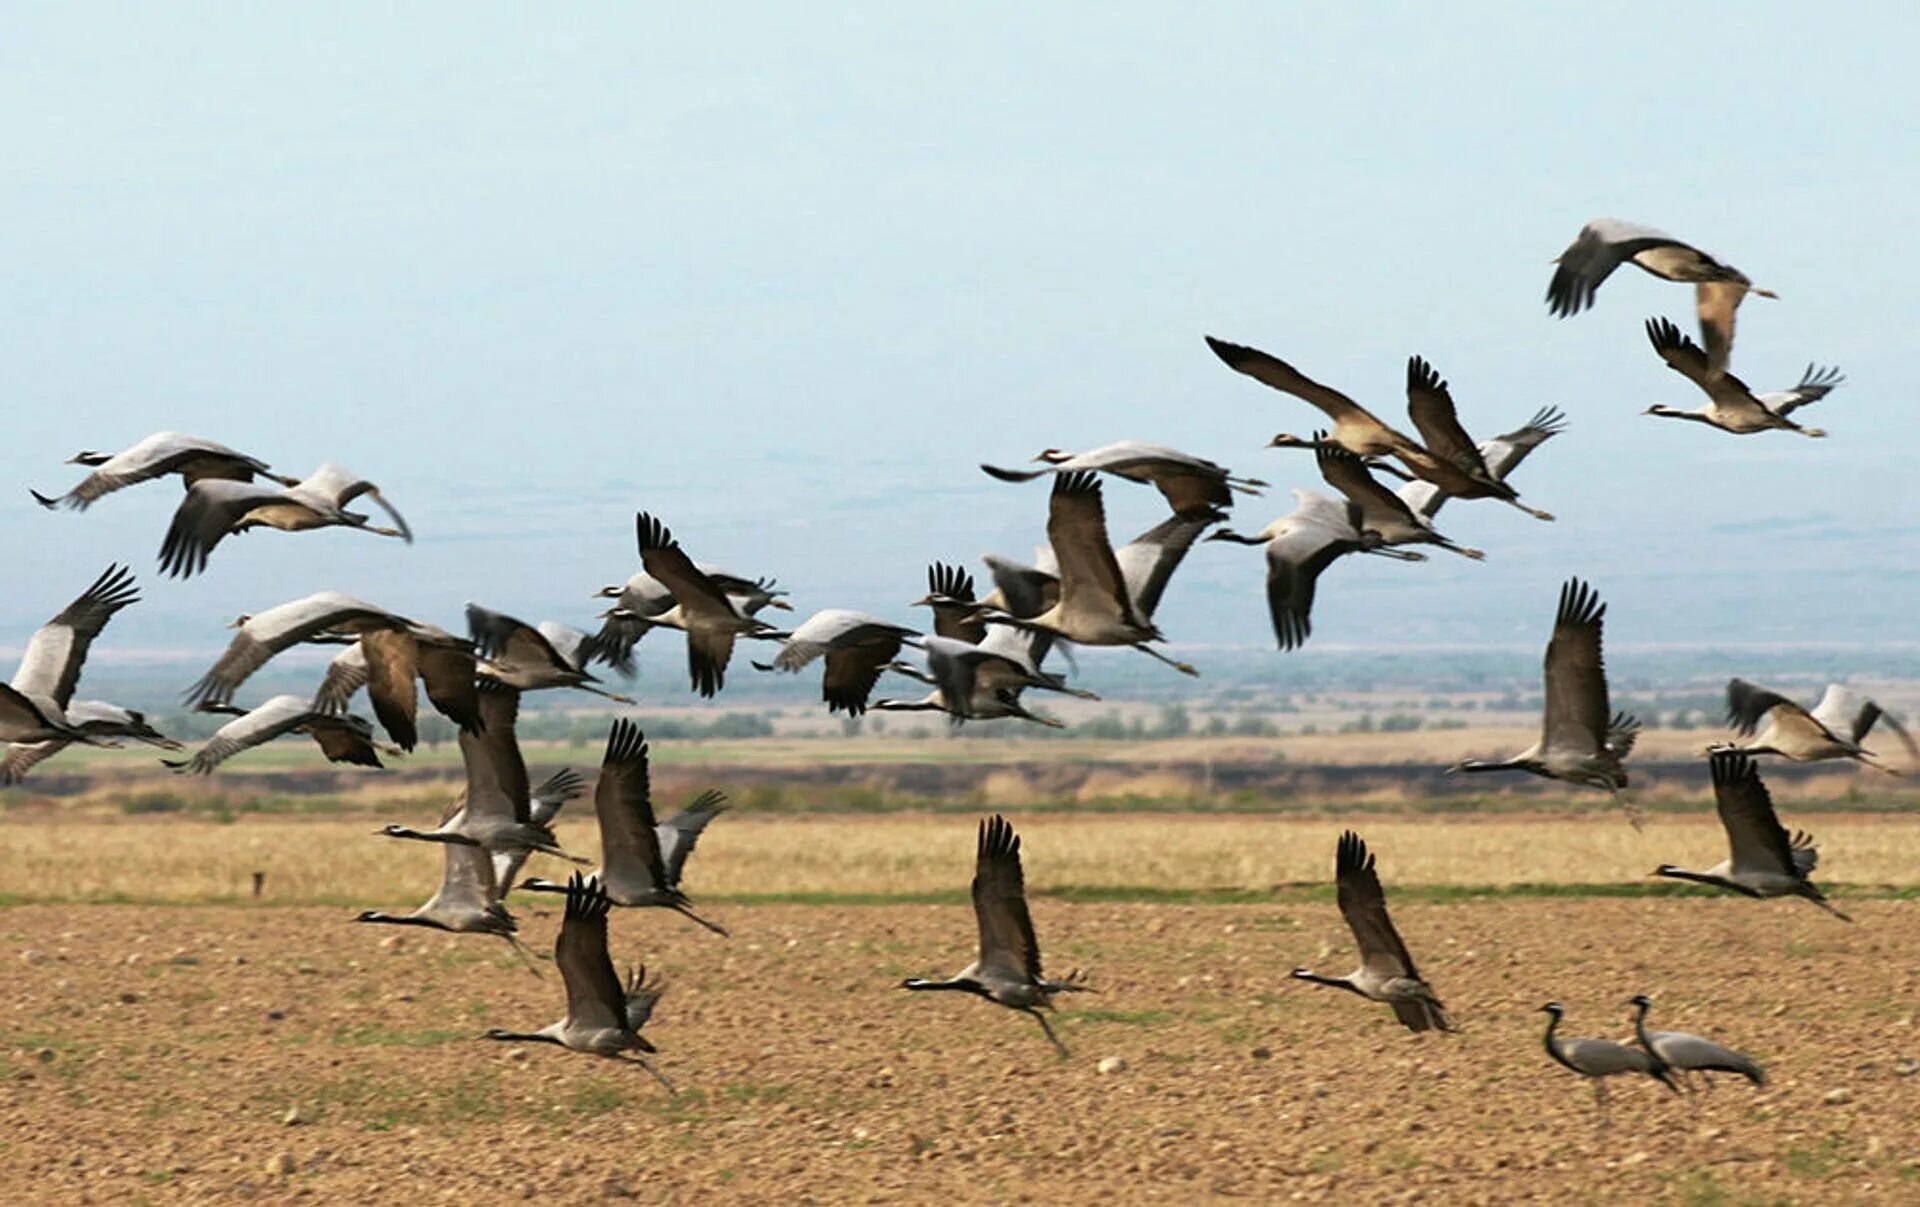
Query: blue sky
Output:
(785,277)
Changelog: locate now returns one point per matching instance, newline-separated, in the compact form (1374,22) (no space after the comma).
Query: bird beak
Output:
(781,604)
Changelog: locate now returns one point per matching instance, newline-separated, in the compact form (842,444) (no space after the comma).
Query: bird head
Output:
(1553,1008)
(1283,440)
(1641,1000)
(370,915)
(1302,973)
(608,593)
(1053,456)
(1818,433)
(87,457)
(241,620)
(392,829)
(1665,869)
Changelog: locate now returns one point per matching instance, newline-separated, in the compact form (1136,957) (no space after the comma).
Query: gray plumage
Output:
(1688,1053)
(1007,971)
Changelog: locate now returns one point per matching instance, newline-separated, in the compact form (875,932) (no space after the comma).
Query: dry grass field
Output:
(281,1054)
(336,860)
(193,1044)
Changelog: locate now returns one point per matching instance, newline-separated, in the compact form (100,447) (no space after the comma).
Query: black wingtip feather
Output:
(1579,604)
(651,533)
(1423,376)
(626,743)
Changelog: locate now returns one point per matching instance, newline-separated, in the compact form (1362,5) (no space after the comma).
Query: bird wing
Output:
(560,787)
(679,834)
(452,689)
(1430,406)
(1684,357)
(1601,246)
(642,997)
(1853,716)
(1311,538)
(1272,371)
(18,712)
(496,771)
(623,801)
(853,670)
(1754,832)
(207,513)
(468,878)
(58,649)
(1816,383)
(392,663)
(1007,946)
(661,555)
(22,757)
(346,674)
(1026,590)
(1577,714)
(268,633)
(594,997)
(509,641)
(1748,705)
(1504,453)
(1077,528)
(156,456)
(1714,302)
(1347,474)
(278,716)
(1364,905)
(1148,561)
(949,581)
(346,739)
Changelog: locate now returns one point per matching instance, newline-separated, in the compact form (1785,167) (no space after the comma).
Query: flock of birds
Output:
(984,653)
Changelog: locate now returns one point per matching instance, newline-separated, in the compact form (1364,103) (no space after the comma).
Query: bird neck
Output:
(1676,413)
(399,920)
(1336,982)
(1640,1025)
(958,986)
(1491,765)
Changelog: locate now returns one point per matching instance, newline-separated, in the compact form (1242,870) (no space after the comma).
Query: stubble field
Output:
(159,1051)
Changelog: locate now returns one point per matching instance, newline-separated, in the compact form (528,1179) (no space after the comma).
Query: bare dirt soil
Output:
(205,1053)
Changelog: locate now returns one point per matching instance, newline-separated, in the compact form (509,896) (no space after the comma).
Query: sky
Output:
(785,277)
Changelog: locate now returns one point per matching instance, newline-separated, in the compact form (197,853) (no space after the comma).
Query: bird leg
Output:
(1182,667)
(1600,1100)
(715,927)
(614,696)
(656,1074)
(1048,1028)
(1635,817)
(1535,512)
(521,951)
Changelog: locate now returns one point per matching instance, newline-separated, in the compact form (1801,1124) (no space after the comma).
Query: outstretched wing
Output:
(1007,946)
(1601,246)
(623,802)
(1430,406)
(1363,903)
(1754,831)
(207,513)
(1272,371)
(595,998)
(1577,718)
(58,650)
(1816,383)
(1077,529)
(679,834)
